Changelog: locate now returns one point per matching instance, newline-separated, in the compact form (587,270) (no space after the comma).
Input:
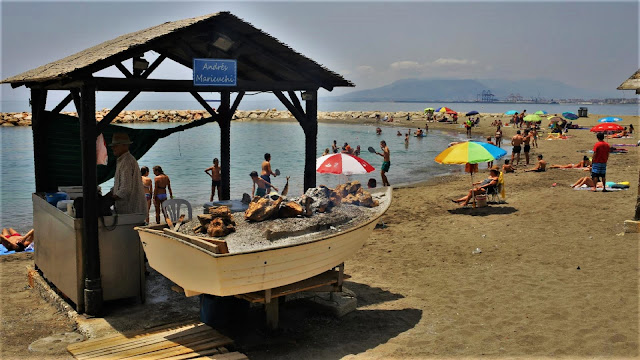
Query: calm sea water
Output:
(184,156)
(326,105)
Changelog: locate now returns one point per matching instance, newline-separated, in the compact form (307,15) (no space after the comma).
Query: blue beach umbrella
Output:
(511,112)
(569,115)
(472,113)
(609,119)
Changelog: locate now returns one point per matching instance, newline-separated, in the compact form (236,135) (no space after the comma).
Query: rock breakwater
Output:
(171,116)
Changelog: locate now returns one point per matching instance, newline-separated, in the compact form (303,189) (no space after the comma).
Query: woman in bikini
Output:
(148,188)
(498,136)
(11,240)
(160,195)
(585,163)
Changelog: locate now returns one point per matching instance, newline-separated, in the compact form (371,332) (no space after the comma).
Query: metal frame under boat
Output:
(200,271)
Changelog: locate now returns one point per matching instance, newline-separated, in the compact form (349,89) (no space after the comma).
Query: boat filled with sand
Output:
(275,242)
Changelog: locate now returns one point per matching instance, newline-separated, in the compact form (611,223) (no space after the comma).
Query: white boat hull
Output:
(199,271)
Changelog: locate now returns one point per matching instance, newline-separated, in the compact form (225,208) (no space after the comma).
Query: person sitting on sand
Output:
(12,240)
(482,188)
(261,183)
(585,163)
(507,168)
(540,166)
(587,180)
(631,129)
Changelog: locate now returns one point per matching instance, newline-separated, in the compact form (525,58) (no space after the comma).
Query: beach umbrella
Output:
(472,113)
(540,112)
(470,152)
(428,110)
(511,112)
(609,119)
(345,164)
(532,118)
(606,127)
(554,119)
(569,115)
(444,109)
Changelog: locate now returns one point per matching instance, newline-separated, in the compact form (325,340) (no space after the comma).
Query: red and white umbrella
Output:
(345,164)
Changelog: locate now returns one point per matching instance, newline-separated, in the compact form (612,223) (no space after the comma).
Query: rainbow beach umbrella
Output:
(470,152)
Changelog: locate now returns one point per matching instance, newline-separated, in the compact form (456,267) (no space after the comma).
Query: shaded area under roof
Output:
(261,57)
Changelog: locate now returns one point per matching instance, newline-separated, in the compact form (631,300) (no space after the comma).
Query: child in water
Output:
(261,183)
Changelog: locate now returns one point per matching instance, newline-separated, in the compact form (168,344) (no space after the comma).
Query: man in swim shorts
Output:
(261,183)
(214,173)
(516,142)
(599,161)
(266,171)
(386,163)
(540,167)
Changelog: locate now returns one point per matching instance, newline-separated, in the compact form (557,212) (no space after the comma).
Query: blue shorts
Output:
(266,178)
(386,165)
(161,197)
(598,169)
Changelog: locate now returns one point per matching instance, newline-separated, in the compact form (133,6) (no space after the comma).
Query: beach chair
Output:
(497,194)
(171,207)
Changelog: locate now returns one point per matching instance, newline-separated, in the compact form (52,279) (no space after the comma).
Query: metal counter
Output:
(58,253)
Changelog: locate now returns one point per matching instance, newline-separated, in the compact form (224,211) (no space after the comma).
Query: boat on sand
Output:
(198,267)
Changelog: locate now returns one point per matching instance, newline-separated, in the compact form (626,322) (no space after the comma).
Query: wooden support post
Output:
(91,252)
(225,143)
(311,140)
(271,308)
(39,128)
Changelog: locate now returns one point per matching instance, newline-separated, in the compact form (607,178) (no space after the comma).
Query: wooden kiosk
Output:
(263,64)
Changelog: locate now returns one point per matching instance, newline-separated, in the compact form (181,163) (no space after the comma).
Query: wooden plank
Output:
(90,345)
(145,349)
(327,278)
(227,356)
(180,350)
(193,240)
(147,344)
(190,355)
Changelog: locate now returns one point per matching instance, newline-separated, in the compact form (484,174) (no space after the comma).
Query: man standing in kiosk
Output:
(127,191)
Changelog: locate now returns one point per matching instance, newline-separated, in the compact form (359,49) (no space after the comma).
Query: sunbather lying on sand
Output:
(484,185)
(540,166)
(588,181)
(11,240)
(582,164)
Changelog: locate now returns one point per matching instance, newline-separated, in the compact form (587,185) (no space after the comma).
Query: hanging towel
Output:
(101,151)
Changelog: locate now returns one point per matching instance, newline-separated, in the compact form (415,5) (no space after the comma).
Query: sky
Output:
(590,45)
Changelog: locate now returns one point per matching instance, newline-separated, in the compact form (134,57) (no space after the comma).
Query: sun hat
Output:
(120,139)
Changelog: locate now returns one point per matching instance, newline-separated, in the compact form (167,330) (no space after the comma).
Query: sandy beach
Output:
(556,275)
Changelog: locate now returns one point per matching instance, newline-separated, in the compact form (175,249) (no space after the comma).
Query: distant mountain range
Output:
(450,90)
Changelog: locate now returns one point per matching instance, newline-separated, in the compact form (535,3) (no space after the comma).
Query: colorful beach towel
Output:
(585,187)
